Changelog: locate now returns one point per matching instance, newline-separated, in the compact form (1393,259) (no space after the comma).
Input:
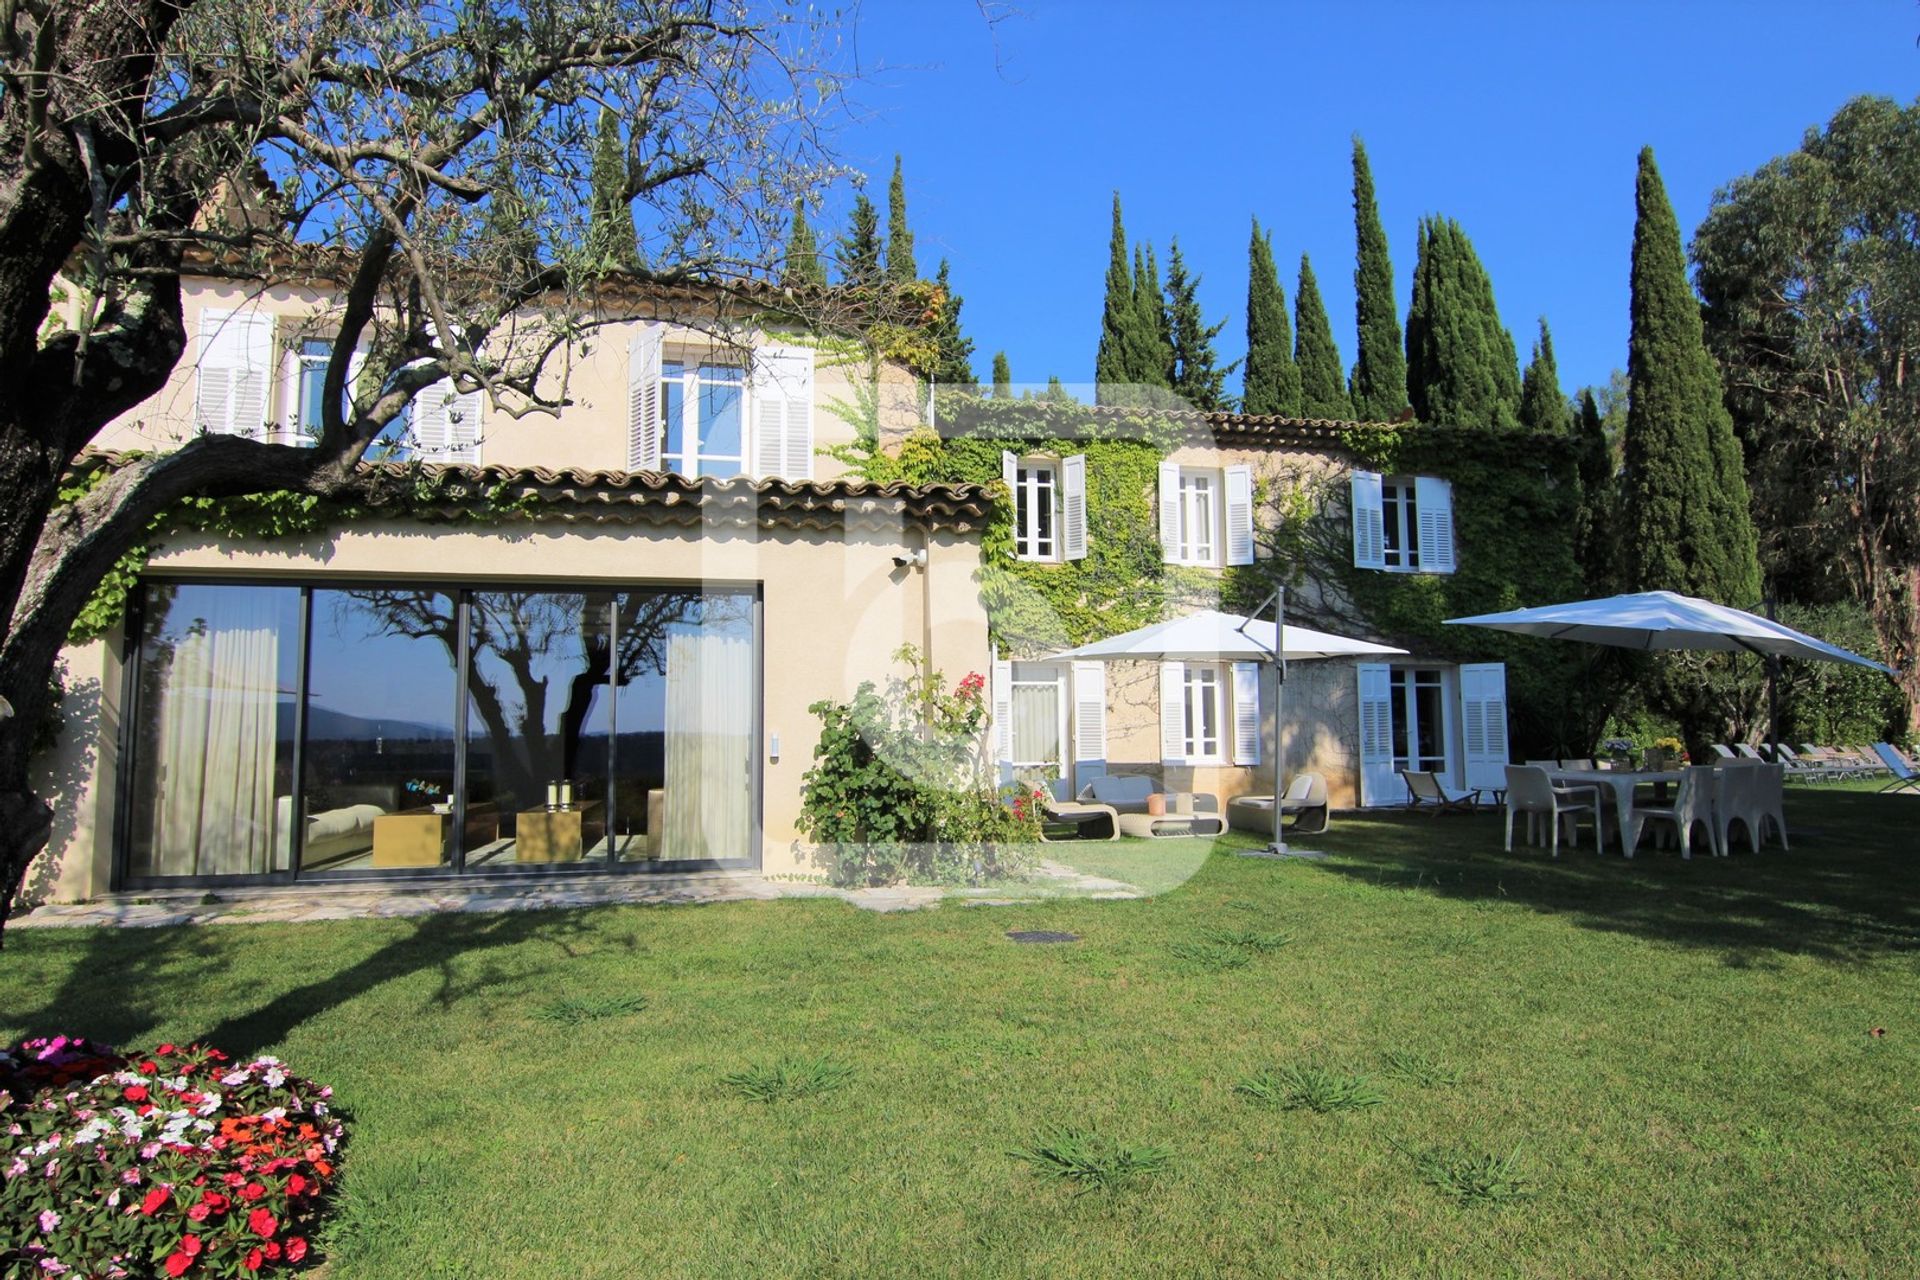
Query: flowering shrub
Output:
(178,1162)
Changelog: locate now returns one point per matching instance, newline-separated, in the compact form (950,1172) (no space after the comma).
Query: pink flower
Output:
(48,1221)
(296,1249)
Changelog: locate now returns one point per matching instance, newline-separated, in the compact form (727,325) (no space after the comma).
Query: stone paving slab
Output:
(149,910)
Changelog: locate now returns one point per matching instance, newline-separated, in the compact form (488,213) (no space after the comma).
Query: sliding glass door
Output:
(439,730)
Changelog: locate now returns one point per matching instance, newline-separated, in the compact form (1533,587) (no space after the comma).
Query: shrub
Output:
(175,1162)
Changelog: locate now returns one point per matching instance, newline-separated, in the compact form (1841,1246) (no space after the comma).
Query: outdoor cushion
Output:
(1126,792)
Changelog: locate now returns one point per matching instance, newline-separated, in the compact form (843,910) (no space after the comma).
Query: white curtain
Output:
(217,735)
(709,715)
(1036,723)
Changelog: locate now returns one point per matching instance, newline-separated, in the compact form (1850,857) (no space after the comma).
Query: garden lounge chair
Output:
(1724,751)
(1089,821)
(1123,792)
(1305,802)
(1693,803)
(1904,775)
(1426,791)
(1531,791)
(1183,814)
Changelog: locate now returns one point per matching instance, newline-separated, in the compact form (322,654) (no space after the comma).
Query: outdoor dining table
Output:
(1621,782)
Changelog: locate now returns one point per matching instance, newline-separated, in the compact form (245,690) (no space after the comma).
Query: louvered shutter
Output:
(1379,784)
(1433,498)
(1483,722)
(1000,687)
(1010,472)
(1089,722)
(465,413)
(1173,713)
(1073,491)
(1170,511)
(1369,522)
(1246,713)
(1239,515)
(783,412)
(644,425)
(432,421)
(233,372)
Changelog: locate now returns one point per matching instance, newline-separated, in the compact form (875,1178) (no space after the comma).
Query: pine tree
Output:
(1112,363)
(900,267)
(860,247)
(1272,380)
(1002,377)
(1380,368)
(803,268)
(953,358)
(611,237)
(1461,369)
(1688,527)
(1198,378)
(1323,390)
(1153,327)
(1543,406)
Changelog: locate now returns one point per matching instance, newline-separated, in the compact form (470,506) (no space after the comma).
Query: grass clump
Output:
(1249,939)
(1474,1177)
(787,1078)
(1308,1088)
(1419,1069)
(1214,957)
(574,1010)
(1090,1160)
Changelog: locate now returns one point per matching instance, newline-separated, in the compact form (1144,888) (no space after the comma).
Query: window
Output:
(1418,708)
(1206,514)
(1199,514)
(1202,732)
(1039,718)
(701,409)
(309,388)
(1403,524)
(1036,495)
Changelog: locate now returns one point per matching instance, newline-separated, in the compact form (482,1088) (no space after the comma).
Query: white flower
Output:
(235,1077)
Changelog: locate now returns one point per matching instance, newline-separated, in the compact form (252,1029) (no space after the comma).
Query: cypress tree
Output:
(1272,380)
(611,237)
(860,247)
(900,267)
(1113,362)
(1380,369)
(1461,369)
(1543,406)
(1056,392)
(1323,391)
(1002,377)
(953,350)
(1197,376)
(1593,542)
(1688,527)
(803,268)
(1153,326)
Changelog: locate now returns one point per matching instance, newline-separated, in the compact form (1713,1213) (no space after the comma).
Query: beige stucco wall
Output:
(589,434)
(835,610)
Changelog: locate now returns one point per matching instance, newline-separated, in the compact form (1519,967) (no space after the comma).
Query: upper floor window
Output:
(712,417)
(1403,524)
(1206,514)
(1049,506)
(233,370)
(703,417)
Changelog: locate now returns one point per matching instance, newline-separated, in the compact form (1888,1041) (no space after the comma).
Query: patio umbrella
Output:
(1212,636)
(1663,620)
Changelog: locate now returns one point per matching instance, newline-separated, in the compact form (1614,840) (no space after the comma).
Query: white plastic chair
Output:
(1737,800)
(1531,792)
(1692,803)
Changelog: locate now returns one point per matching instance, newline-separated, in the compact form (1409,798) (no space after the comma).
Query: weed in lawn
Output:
(1215,957)
(1310,1088)
(787,1078)
(1090,1160)
(1473,1177)
(1251,939)
(1419,1069)
(574,1010)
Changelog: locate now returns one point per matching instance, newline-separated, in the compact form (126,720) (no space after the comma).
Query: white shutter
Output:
(1173,713)
(643,398)
(1073,490)
(1433,497)
(234,370)
(1010,472)
(432,421)
(783,412)
(1369,522)
(1379,784)
(1239,515)
(1483,720)
(1000,688)
(1246,713)
(1089,722)
(464,416)
(1170,511)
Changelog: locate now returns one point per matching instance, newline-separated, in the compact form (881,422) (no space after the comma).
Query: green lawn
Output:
(1680,1054)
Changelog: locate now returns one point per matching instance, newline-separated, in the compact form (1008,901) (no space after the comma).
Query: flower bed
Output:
(175,1162)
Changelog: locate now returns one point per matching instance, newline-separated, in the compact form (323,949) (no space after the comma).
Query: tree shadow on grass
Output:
(1848,890)
(116,990)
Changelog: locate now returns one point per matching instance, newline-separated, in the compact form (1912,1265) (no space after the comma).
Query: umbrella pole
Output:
(1773,696)
(1279,845)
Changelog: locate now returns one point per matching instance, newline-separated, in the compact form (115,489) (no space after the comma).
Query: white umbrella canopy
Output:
(1664,620)
(1212,636)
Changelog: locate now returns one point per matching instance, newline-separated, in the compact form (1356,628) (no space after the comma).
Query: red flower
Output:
(164,1050)
(252,1191)
(273,1251)
(155,1198)
(261,1222)
(149,1067)
(177,1263)
(135,1093)
(296,1184)
(296,1249)
(232,1179)
(253,1260)
(216,1202)
(199,1212)
(190,1245)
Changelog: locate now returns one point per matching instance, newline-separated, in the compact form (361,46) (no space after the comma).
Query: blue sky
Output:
(1522,120)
